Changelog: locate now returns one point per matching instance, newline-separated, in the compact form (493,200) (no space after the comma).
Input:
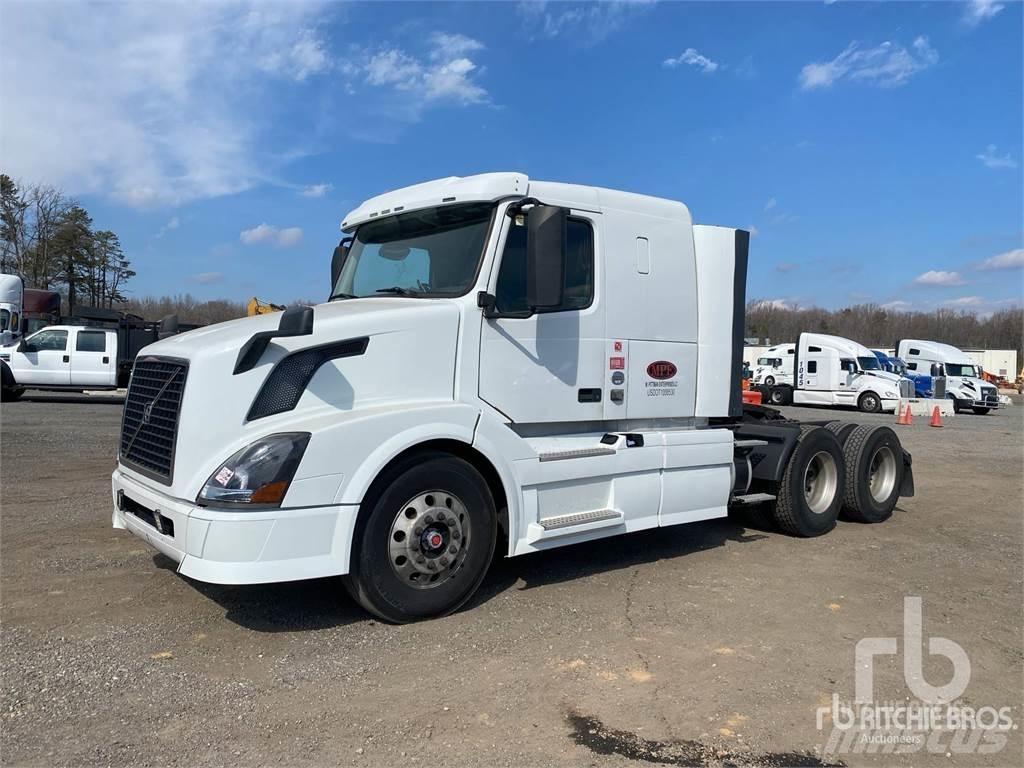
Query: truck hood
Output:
(410,353)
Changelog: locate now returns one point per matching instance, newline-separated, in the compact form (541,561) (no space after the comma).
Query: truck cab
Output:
(59,357)
(11,299)
(503,365)
(776,365)
(834,371)
(922,383)
(963,380)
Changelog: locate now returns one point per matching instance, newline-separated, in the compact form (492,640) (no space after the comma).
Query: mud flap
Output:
(907,486)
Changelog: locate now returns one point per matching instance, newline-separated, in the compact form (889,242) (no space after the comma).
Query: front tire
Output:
(869,402)
(424,540)
(10,394)
(874,474)
(769,381)
(981,411)
(810,493)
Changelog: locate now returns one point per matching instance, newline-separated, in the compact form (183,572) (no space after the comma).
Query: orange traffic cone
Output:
(936,418)
(903,417)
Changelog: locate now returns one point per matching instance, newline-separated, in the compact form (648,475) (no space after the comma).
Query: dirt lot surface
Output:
(706,644)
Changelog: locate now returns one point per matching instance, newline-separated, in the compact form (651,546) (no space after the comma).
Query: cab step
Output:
(579,518)
(752,498)
(576,453)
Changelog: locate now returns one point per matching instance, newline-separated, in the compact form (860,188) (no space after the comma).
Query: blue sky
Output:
(874,149)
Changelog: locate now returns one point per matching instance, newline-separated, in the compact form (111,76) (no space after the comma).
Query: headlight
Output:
(259,474)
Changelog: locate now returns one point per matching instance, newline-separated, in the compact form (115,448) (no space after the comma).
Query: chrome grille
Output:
(906,388)
(990,395)
(149,427)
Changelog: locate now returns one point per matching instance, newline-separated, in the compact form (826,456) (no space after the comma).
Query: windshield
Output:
(764,361)
(956,369)
(869,363)
(433,252)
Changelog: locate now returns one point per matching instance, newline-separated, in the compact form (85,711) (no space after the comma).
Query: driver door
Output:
(44,359)
(549,367)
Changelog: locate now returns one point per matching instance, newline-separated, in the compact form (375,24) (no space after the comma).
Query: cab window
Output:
(47,340)
(578,289)
(91,341)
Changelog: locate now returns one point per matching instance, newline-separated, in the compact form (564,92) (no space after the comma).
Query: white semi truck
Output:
(776,364)
(963,382)
(12,291)
(833,371)
(502,360)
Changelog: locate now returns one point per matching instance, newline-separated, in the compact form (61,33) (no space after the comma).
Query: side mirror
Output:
(168,326)
(545,255)
(22,346)
(338,260)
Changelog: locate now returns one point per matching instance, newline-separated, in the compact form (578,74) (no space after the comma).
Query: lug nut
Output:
(456,535)
(452,549)
(431,565)
(444,561)
(428,519)
(418,530)
(421,559)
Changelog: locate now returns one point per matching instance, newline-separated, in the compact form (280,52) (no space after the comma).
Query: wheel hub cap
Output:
(429,539)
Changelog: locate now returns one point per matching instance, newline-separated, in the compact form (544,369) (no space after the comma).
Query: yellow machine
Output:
(257,307)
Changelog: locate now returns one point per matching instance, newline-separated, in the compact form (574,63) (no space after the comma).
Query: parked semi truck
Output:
(833,371)
(964,384)
(776,364)
(94,353)
(501,360)
(12,291)
(923,386)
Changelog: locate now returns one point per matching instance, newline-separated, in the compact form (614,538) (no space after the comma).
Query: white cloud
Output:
(267,234)
(774,304)
(963,301)
(444,74)
(151,104)
(316,190)
(207,278)
(694,58)
(754,231)
(770,204)
(990,159)
(897,305)
(584,24)
(977,11)
(1010,260)
(939,277)
(887,65)
(172,223)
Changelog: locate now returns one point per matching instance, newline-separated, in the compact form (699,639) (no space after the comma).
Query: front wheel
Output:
(869,403)
(981,411)
(10,394)
(424,540)
(769,381)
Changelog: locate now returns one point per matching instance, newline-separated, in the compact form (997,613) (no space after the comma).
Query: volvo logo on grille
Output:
(147,412)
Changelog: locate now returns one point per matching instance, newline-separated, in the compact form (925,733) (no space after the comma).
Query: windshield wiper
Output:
(400,291)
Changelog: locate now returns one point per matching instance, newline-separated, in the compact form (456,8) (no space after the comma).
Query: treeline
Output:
(873,326)
(49,240)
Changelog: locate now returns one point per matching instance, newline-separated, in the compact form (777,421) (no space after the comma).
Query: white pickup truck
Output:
(504,365)
(60,357)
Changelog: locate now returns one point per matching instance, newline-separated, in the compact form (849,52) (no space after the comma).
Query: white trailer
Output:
(503,364)
(1000,362)
(833,371)
(775,365)
(963,382)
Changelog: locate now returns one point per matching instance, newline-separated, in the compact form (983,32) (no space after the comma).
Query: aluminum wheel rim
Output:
(429,539)
(882,473)
(870,402)
(820,482)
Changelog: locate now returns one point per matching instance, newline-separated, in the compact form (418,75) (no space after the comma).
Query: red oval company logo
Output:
(661,370)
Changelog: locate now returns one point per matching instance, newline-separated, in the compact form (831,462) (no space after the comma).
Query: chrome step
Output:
(576,453)
(749,443)
(752,498)
(579,518)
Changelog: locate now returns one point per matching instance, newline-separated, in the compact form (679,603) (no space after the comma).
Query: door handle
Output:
(106,359)
(67,358)
(592,395)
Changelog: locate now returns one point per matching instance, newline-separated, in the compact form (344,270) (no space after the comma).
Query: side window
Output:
(812,366)
(849,365)
(915,351)
(912,366)
(47,341)
(578,290)
(91,341)
(814,349)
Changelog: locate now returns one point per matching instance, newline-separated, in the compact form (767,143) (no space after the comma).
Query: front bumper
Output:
(222,547)
(989,402)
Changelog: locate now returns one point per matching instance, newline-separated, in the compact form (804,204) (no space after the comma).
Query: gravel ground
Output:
(698,645)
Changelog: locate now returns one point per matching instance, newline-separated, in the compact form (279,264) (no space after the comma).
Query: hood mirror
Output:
(338,260)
